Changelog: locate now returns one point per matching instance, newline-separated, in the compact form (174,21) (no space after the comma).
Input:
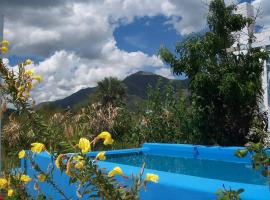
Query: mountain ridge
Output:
(136,83)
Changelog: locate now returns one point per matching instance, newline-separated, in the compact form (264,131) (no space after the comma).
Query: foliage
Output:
(225,84)
(260,157)
(164,117)
(92,180)
(111,91)
(225,194)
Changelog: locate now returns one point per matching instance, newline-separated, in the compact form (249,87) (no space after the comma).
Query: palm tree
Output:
(110,90)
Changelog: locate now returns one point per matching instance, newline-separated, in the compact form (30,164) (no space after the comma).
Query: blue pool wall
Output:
(171,186)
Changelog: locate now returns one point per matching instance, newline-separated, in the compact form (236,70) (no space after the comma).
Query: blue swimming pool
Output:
(212,169)
(185,172)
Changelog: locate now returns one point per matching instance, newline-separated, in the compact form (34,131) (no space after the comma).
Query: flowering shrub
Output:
(82,169)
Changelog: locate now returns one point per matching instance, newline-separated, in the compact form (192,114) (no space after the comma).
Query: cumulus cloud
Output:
(65,72)
(263,9)
(75,38)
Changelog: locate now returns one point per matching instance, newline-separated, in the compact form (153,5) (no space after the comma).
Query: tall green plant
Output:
(225,84)
(163,117)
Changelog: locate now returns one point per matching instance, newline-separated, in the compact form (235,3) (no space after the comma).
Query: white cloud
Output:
(166,72)
(65,72)
(76,38)
(263,9)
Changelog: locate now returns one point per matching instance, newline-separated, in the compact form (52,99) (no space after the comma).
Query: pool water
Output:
(212,169)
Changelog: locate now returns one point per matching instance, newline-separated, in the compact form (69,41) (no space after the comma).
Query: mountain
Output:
(136,84)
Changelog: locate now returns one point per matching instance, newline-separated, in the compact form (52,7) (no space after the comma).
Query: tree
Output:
(110,91)
(225,85)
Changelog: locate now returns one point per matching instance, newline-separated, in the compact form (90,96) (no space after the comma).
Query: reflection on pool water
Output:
(212,169)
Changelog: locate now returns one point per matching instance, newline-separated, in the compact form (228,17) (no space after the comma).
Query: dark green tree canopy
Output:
(225,85)
(110,90)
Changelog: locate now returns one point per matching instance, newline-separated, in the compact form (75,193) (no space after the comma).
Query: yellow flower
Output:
(38,78)
(84,145)
(115,171)
(68,170)
(106,136)
(77,158)
(80,164)
(58,161)
(20,89)
(29,72)
(151,177)
(29,85)
(37,147)
(21,154)
(4,49)
(10,192)
(101,155)
(41,177)
(28,62)
(25,178)
(3,183)
(5,43)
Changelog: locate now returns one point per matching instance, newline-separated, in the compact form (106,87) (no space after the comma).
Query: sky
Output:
(76,43)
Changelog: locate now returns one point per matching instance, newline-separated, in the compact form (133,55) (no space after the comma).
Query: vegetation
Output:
(31,127)
(225,84)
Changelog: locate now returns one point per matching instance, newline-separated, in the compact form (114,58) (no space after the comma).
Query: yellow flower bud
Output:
(151,177)
(79,165)
(107,138)
(42,177)
(21,154)
(84,145)
(37,147)
(10,192)
(38,78)
(25,178)
(116,171)
(29,72)
(3,183)
(4,49)
(77,158)
(5,43)
(58,161)
(28,62)
(68,170)
(101,155)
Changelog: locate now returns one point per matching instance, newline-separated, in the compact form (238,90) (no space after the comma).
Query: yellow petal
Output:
(25,178)
(5,43)
(106,136)
(58,161)
(77,158)
(41,177)
(28,62)
(79,165)
(29,72)
(3,183)
(115,171)
(4,49)
(84,145)
(38,78)
(10,192)
(101,155)
(151,177)
(21,154)
(37,147)
(68,170)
